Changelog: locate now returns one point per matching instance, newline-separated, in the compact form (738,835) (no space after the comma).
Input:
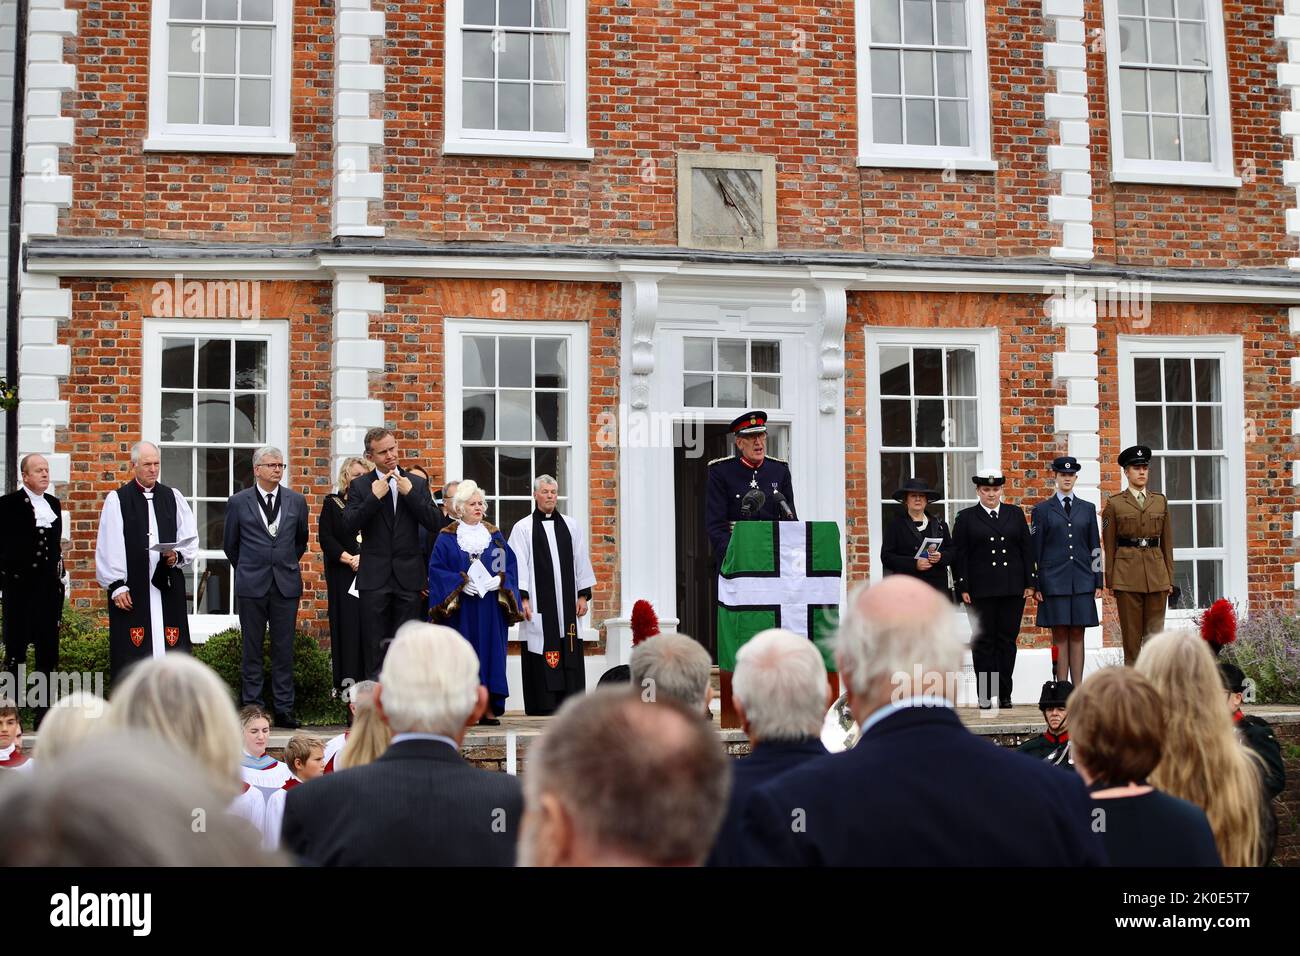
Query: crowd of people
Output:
(1140,766)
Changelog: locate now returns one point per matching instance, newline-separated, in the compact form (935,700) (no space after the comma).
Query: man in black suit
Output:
(918,789)
(388,506)
(265,539)
(31,572)
(420,804)
(994,570)
(781,695)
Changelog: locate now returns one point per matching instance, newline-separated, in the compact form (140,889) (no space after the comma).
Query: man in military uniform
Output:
(1139,544)
(31,572)
(994,571)
(746,485)
(1256,732)
(1053,745)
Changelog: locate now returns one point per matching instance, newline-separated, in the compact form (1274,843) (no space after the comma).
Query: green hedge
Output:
(83,648)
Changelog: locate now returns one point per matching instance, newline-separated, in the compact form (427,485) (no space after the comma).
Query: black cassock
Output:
(559,670)
(124,537)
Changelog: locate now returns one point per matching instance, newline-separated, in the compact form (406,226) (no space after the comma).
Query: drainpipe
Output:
(15,238)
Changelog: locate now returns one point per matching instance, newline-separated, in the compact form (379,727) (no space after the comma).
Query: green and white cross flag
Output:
(779,574)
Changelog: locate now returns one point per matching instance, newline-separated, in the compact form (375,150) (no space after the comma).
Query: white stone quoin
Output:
(1287,28)
(1066,59)
(42,361)
(356,80)
(353,357)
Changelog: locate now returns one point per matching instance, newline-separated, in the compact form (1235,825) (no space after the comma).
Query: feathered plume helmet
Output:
(645,623)
(1219,625)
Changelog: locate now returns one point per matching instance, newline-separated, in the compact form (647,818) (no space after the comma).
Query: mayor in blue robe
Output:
(483,620)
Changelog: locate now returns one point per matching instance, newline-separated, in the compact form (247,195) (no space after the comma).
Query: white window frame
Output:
(276,335)
(1228,349)
(1220,170)
(200,138)
(570,145)
(978,156)
(577,494)
(986,344)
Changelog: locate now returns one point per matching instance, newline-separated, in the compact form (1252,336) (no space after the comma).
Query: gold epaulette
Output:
(718,461)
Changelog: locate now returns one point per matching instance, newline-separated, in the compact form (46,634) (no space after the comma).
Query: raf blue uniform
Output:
(730,479)
(1067,550)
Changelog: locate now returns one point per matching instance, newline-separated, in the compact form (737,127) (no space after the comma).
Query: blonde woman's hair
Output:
(183,701)
(367,740)
(1203,761)
(73,718)
(343,479)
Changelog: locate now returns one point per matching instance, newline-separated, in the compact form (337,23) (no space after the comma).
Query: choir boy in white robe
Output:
(304,755)
(555,582)
(11,735)
(148,612)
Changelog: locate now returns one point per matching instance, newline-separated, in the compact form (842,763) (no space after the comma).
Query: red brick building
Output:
(929,236)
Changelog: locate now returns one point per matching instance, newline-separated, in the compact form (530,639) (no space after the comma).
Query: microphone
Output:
(783,505)
(751,503)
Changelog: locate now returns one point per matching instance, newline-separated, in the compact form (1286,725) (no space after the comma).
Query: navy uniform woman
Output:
(994,569)
(1067,551)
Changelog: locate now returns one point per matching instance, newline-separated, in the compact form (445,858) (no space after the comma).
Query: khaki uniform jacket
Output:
(1146,570)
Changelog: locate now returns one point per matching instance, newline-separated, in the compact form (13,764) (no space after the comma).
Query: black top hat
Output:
(1135,455)
(750,423)
(915,486)
(1055,694)
(1234,679)
(989,476)
(1067,464)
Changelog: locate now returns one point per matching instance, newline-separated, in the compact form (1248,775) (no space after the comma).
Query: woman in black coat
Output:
(904,534)
(342,553)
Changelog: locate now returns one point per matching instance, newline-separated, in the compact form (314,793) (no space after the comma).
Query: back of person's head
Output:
(897,639)
(132,799)
(780,685)
(367,740)
(673,666)
(74,718)
(615,780)
(1118,726)
(186,703)
(361,690)
(430,680)
(1203,762)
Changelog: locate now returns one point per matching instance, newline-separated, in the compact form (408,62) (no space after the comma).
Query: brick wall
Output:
(105,415)
(689,75)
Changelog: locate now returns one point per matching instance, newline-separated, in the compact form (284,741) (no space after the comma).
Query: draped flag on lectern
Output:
(779,574)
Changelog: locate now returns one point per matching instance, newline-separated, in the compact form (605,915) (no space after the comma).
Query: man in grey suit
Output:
(266,537)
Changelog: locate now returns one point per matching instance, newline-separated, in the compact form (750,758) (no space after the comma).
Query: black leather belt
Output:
(1138,542)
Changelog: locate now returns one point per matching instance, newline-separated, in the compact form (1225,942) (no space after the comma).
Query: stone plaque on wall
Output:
(726,200)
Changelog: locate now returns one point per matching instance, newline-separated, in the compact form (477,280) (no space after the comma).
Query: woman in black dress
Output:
(342,554)
(905,533)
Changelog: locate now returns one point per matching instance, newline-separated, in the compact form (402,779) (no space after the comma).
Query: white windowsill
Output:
(218,144)
(1222,180)
(526,150)
(963,163)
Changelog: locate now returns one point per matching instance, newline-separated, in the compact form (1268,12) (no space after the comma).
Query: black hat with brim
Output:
(915,486)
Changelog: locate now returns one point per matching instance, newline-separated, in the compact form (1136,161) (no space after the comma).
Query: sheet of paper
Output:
(480,577)
(353,589)
(926,544)
(162,546)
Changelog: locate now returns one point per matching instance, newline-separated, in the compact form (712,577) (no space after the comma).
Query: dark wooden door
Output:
(697,575)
